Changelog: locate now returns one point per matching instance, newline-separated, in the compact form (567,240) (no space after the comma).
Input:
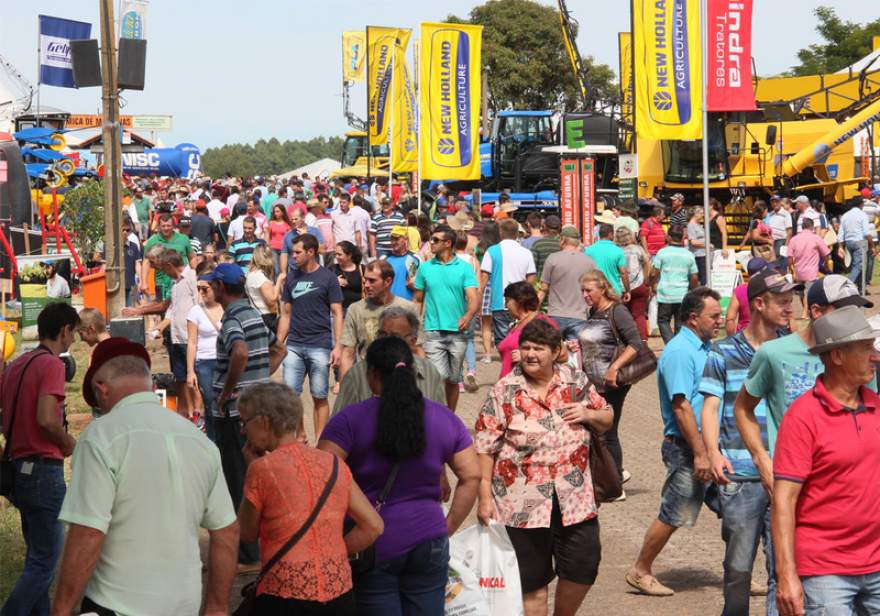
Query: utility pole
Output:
(484,102)
(114,243)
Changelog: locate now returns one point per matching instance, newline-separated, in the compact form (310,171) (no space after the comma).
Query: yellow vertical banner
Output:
(624,44)
(668,69)
(404,127)
(449,101)
(354,50)
(380,57)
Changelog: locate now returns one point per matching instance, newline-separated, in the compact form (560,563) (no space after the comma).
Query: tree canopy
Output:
(268,157)
(524,51)
(845,43)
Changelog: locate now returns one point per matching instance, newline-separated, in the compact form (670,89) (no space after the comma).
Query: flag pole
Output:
(367,79)
(391,116)
(39,71)
(704,45)
(417,67)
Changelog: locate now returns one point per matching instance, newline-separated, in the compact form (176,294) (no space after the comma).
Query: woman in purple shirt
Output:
(390,429)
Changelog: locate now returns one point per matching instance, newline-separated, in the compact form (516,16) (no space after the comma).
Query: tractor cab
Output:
(514,156)
(354,157)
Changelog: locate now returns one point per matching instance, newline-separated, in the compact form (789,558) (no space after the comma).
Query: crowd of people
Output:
(355,290)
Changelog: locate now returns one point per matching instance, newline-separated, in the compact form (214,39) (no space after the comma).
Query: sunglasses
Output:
(435,240)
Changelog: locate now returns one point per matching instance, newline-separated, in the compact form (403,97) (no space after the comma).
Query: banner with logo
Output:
(668,69)
(588,199)
(569,192)
(624,49)
(132,19)
(43,279)
(405,139)
(449,95)
(56,64)
(381,45)
(730,86)
(354,50)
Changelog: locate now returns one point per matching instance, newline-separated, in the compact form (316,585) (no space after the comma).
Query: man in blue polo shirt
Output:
(688,470)
(447,286)
(744,504)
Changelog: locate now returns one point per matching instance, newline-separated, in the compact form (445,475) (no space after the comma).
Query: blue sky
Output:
(233,72)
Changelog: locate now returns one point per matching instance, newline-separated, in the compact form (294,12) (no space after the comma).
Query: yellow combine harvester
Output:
(354,158)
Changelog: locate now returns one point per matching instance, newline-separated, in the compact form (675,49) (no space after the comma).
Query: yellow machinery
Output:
(355,162)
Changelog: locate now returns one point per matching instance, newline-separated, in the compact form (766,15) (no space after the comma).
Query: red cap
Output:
(452,208)
(200,204)
(487,210)
(104,352)
(865,192)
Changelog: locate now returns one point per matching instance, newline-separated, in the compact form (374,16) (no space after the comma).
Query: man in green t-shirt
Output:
(674,274)
(143,206)
(167,237)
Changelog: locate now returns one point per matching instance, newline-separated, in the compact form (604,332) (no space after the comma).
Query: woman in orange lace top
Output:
(284,480)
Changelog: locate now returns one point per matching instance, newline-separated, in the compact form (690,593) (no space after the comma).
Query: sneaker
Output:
(620,498)
(648,585)
(470,382)
(486,359)
(626,476)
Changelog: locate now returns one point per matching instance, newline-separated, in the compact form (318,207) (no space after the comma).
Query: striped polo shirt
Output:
(381,225)
(243,251)
(241,321)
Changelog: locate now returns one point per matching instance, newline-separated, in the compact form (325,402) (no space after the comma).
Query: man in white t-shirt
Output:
(236,227)
(779,222)
(805,210)
(214,208)
(503,264)
(345,222)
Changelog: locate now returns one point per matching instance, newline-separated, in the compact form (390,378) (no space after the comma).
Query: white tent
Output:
(319,168)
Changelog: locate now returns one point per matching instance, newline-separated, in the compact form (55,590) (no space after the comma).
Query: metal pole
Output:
(391,116)
(704,29)
(417,67)
(113,240)
(367,71)
(39,75)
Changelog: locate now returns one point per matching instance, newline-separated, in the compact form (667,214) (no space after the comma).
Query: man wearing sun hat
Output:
(826,497)
(405,263)
(144,481)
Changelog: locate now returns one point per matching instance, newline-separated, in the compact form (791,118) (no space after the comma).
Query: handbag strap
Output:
(389,483)
(284,549)
(7,450)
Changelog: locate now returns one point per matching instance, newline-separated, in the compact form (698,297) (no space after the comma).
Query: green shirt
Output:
(148,479)
(356,388)
(609,258)
(178,242)
(142,206)
(444,286)
(676,264)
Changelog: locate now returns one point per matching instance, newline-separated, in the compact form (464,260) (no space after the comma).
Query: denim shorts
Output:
(177,359)
(446,350)
(305,360)
(682,494)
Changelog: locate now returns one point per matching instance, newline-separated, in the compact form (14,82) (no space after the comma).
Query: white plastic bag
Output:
(463,594)
(487,551)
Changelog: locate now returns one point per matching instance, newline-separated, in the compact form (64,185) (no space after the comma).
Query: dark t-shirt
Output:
(352,291)
(132,256)
(310,295)
(203,228)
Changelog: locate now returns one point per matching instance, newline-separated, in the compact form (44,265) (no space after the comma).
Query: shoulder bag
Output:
(247,606)
(643,364)
(364,561)
(607,484)
(7,466)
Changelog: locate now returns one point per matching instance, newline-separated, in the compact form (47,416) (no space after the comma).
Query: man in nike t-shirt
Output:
(311,294)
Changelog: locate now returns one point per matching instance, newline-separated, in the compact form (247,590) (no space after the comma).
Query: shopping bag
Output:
(463,594)
(488,552)
(652,315)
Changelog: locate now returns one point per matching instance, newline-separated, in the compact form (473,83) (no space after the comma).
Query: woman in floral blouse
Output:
(534,457)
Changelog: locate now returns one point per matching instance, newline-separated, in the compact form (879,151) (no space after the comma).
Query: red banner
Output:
(568,193)
(588,200)
(730,56)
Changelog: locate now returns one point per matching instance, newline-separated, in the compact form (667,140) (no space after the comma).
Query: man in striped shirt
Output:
(247,354)
(380,228)
(243,250)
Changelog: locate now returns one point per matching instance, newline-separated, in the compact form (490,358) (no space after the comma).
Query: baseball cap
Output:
(802,199)
(836,290)
(398,230)
(487,210)
(106,350)
(228,273)
(570,231)
(775,198)
(552,222)
(755,265)
(678,197)
(770,280)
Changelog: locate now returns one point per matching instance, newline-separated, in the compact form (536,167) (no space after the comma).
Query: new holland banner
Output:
(381,44)
(404,126)
(668,68)
(354,50)
(730,56)
(624,49)
(449,96)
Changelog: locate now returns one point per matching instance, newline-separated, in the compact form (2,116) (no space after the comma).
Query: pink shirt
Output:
(744,314)
(511,342)
(277,230)
(805,249)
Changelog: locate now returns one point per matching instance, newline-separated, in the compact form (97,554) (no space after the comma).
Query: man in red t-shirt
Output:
(826,497)
(32,398)
(651,233)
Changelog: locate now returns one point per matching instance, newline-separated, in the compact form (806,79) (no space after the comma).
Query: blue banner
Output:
(56,64)
(182,161)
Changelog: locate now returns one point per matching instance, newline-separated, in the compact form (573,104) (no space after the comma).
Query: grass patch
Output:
(11,548)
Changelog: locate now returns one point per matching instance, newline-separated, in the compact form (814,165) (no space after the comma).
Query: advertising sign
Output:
(182,161)
(404,126)
(42,279)
(56,63)
(624,50)
(450,101)
(132,19)
(730,56)
(381,46)
(569,191)
(588,199)
(668,69)
(354,50)
(158,123)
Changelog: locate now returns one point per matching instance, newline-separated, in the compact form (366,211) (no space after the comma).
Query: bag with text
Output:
(463,594)
(488,552)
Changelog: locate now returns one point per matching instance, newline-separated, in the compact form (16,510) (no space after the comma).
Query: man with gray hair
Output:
(144,482)
(403,323)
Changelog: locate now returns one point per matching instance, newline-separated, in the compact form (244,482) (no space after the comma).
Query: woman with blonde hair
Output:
(609,325)
(259,287)
(638,265)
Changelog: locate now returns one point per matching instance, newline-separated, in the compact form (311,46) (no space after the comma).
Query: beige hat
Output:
(461,221)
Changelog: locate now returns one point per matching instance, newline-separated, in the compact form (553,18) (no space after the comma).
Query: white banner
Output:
(132,19)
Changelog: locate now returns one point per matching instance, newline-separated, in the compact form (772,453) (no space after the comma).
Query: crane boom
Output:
(16,106)
(569,31)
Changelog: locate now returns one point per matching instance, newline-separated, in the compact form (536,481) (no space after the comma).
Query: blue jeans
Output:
(501,322)
(315,362)
(745,521)
(413,584)
(569,326)
(841,595)
(855,269)
(682,494)
(38,496)
(204,376)
(781,262)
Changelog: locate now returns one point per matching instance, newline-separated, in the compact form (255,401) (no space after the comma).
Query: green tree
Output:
(524,52)
(845,43)
(83,216)
(268,157)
